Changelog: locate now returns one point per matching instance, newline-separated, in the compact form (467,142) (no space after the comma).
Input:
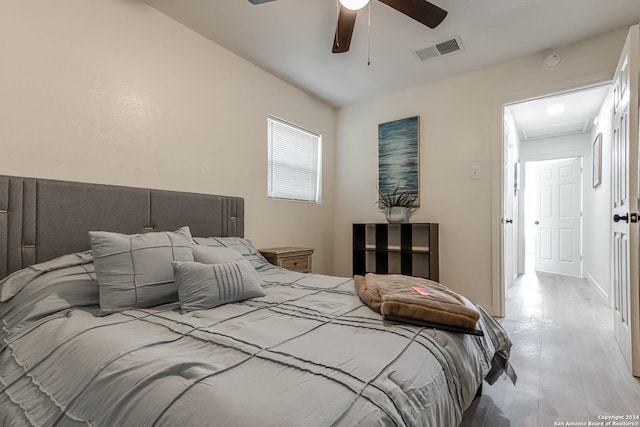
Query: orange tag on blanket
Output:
(421,290)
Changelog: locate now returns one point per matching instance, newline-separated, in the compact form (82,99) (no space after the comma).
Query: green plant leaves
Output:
(396,198)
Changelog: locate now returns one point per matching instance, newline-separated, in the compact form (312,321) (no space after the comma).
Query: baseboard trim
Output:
(601,291)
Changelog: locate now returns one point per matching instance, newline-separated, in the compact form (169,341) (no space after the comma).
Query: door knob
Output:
(537,222)
(509,221)
(618,218)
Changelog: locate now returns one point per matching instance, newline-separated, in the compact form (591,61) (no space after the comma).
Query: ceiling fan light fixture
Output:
(354,4)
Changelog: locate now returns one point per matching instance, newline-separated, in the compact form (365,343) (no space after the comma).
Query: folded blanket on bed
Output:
(415,298)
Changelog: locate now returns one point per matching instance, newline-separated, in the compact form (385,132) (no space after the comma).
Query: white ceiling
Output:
(533,119)
(292,38)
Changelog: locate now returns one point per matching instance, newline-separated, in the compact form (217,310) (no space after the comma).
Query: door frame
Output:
(497,176)
(510,221)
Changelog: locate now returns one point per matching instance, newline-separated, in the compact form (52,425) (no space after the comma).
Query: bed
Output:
(308,352)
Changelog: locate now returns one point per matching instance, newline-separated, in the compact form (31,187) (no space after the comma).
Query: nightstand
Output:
(291,258)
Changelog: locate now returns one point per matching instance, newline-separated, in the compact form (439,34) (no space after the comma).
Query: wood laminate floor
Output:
(569,367)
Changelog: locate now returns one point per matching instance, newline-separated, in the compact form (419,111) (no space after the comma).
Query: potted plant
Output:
(396,204)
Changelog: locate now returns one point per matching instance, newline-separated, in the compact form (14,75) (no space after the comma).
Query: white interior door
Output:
(559,219)
(509,213)
(625,203)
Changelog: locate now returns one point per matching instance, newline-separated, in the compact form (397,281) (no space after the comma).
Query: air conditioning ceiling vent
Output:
(445,47)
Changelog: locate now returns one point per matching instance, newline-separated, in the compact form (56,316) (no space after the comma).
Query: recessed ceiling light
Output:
(555,109)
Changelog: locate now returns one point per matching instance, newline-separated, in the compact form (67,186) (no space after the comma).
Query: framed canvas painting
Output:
(399,157)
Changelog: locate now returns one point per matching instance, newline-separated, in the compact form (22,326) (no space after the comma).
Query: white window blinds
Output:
(294,168)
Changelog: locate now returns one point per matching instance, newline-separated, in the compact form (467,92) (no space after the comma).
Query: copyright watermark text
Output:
(603,420)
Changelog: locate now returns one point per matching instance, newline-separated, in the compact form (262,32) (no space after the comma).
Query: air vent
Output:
(443,48)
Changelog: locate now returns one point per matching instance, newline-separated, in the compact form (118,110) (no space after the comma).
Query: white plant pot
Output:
(396,214)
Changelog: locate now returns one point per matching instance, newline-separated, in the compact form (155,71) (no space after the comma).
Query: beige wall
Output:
(112,91)
(461,125)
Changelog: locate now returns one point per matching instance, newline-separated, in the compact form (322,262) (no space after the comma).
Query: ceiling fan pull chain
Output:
(337,19)
(369,37)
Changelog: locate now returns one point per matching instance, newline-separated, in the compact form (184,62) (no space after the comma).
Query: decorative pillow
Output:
(244,246)
(134,271)
(215,254)
(203,286)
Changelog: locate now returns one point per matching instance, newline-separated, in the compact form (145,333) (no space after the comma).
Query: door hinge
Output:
(633,218)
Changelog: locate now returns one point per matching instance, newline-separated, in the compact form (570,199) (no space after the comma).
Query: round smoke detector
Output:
(552,61)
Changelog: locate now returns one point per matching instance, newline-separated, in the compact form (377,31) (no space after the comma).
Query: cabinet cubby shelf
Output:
(410,249)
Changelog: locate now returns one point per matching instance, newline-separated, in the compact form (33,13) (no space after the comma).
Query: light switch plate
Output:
(475,173)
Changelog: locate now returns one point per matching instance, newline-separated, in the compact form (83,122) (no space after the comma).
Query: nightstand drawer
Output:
(291,258)
(300,263)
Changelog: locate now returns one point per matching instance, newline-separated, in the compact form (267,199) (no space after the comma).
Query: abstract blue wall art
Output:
(399,156)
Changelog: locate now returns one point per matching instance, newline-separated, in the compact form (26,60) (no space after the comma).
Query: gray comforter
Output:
(309,353)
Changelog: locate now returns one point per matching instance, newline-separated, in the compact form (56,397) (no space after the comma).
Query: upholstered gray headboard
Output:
(41,219)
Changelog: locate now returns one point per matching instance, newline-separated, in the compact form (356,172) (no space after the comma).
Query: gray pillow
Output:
(214,254)
(203,286)
(244,246)
(134,271)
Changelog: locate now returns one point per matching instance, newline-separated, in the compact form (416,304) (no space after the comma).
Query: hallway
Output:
(568,364)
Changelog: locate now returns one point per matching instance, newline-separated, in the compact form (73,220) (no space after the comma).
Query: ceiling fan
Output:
(421,10)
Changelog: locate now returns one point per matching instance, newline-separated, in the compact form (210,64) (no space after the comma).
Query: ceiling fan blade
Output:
(344,30)
(421,10)
(259,1)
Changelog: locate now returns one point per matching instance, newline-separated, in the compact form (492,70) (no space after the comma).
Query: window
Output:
(294,162)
